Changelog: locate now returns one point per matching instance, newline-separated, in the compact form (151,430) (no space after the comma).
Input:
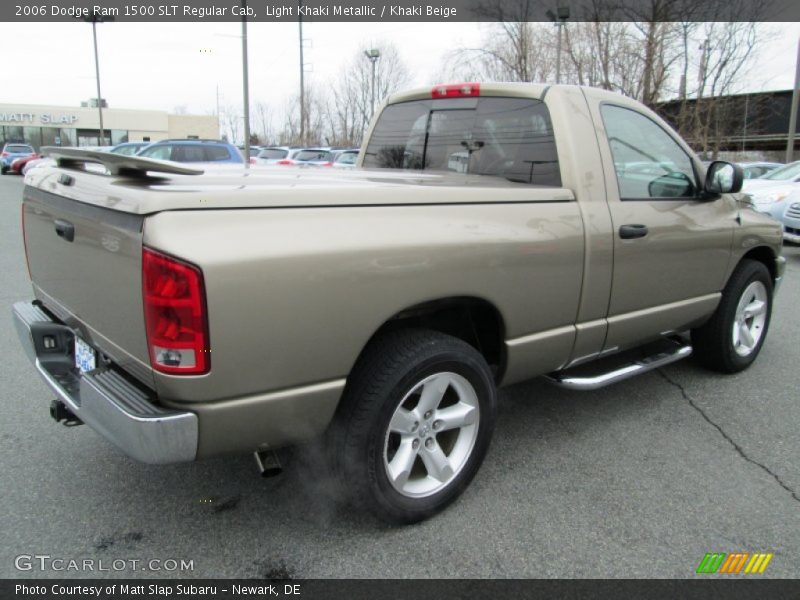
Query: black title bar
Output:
(399,10)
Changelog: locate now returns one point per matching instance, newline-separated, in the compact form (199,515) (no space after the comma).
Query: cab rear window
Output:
(506,137)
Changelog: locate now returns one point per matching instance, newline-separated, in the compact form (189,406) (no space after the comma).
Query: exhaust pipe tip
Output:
(268,463)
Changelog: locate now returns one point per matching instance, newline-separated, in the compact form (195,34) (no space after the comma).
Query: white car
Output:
(345,159)
(277,155)
(773,192)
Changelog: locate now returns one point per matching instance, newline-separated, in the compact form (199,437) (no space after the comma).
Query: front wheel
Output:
(732,338)
(415,424)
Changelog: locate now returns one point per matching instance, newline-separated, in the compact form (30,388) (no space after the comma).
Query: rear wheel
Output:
(3,170)
(414,425)
(731,340)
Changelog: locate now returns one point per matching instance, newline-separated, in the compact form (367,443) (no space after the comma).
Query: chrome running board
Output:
(577,382)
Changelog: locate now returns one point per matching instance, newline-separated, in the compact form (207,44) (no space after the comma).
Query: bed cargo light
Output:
(175,315)
(456,90)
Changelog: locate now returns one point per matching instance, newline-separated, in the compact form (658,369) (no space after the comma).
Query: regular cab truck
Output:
(493,233)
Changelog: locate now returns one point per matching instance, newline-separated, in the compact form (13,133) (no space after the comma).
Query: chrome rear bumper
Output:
(103,399)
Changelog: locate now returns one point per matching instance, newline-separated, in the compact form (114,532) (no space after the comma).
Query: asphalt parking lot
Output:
(640,479)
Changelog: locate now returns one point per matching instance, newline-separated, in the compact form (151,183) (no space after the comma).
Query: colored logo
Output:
(736,562)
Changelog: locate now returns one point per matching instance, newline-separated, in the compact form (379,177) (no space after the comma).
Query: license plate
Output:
(85,356)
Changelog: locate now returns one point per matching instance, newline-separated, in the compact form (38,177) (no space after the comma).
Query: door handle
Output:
(629,232)
(65,229)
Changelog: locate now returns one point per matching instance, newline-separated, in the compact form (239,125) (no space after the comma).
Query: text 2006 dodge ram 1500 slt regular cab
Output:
(494,233)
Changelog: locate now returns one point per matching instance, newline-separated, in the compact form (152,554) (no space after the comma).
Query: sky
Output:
(167,65)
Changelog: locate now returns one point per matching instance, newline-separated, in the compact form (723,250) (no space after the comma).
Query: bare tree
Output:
(511,51)
(230,123)
(349,108)
(315,114)
(264,129)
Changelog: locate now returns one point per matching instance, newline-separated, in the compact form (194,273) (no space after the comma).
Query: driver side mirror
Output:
(723,178)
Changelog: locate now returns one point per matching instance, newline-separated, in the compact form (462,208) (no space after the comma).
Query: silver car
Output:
(791,219)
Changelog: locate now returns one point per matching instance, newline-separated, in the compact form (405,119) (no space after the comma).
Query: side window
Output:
(648,162)
(216,153)
(188,153)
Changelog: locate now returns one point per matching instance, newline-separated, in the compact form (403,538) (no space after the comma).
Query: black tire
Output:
(713,342)
(392,366)
(3,170)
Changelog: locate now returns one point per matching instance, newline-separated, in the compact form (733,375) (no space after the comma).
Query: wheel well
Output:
(763,255)
(473,320)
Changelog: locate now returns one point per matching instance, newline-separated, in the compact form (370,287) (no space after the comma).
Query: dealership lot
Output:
(640,480)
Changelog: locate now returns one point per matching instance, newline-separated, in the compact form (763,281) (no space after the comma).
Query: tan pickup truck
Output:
(493,233)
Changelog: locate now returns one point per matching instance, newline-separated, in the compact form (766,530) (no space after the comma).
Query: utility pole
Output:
(373,56)
(94,20)
(246,87)
(302,79)
(559,19)
(793,113)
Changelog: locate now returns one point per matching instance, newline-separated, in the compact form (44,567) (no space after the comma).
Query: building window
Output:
(14,133)
(49,135)
(66,137)
(33,136)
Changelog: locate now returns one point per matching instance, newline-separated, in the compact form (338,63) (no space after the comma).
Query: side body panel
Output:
(295,294)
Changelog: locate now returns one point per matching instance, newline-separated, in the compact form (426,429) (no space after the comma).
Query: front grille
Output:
(792,230)
(793,211)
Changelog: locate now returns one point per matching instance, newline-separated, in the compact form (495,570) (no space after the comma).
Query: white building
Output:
(44,125)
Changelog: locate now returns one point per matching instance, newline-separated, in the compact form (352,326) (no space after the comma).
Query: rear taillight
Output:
(456,90)
(175,315)
(285,161)
(327,164)
(4,154)
(252,161)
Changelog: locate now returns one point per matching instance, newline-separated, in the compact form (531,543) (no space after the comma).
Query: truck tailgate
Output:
(85,262)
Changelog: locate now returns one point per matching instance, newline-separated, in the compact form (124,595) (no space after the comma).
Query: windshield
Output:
(17,149)
(126,150)
(273,153)
(506,137)
(786,172)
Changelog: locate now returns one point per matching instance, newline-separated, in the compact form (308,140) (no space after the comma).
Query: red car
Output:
(16,166)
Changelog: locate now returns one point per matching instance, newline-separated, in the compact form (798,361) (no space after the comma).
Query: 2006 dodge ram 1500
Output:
(492,234)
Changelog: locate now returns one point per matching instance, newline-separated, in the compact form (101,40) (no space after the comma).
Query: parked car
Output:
(754,170)
(381,308)
(38,162)
(770,193)
(193,151)
(316,157)
(11,152)
(345,159)
(129,148)
(277,155)
(791,219)
(19,163)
